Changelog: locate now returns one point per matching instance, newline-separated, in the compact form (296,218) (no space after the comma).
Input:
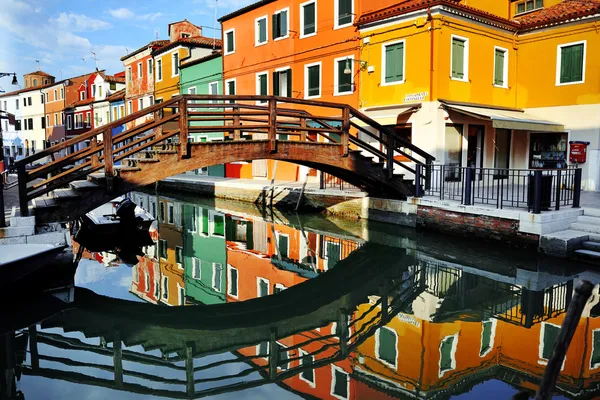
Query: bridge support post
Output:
(183,129)
(418,174)
(273,354)
(236,124)
(272,125)
(302,131)
(118,358)
(22,176)
(190,387)
(94,146)
(109,171)
(390,157)
(342,331)
(33,347)
(345,131)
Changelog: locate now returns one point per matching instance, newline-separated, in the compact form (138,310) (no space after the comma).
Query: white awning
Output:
(506,119)
(385,115)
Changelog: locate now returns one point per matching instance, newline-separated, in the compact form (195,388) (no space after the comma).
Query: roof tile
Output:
(201,41)
(566,10)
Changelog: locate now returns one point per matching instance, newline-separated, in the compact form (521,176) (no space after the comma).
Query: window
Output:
(33,146)
(312,80)
(129,75)
(262,349)
(171,214)
(112,86)
(230,41)
(343,82)
(29,101)
(181,295)
(43,99)
(216,281)
(283,245)
(213,89)
(47,120)
(100,91)
(570,64)
(46,97)
(282,82)
(185,35)
(447,354)
(35,82)
(165,294)
(129,107)
(159,70)
(192,90)
(43,123)
(548,336)
(205,222)
(260,31)
(140,71)
(307,374)
(595,357)
(386,346)
(281,23)
(81,95)
(488,331)
(30,121)
(218,225)
(93,90)
(230,87)
(62,93)
(393,63)
(69,122)
(278,288)
(150,100)
(460,59)
(162,214)
(175,64)
(262,85)
(179,254)
(162,248)
(55,119)
(528,5)
(140,104)
(308,18)
(17,104)
(88,119)
(196,268)
(62,118)
(232,281)
(150,67)
(262,287)
(340,383)
(344,13)
(500,67)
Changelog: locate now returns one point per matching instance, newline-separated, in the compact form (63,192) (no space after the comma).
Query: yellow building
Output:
(492,84)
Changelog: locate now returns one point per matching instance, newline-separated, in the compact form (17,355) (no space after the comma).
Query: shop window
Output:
(460,59)
(548,150)
(386,346)
(260,33)
(312,81)
(343,13)
(282,83)
(340,383)
(571,63)
(502,152)
(280,22)
(393,71)
(308,18)
(453,151)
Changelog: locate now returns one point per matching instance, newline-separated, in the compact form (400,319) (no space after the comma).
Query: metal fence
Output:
(535,190)
(328,181)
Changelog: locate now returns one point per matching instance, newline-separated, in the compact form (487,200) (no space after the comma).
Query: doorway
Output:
(475,139)
(454,133)
(502,153)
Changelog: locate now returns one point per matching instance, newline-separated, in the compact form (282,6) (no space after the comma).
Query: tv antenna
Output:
(155,33)
(38,64)
(95,61)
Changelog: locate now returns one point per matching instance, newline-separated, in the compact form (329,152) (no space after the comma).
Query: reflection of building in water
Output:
(145,278)
(462,329)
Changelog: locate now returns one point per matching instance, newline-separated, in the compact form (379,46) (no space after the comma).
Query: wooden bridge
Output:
(101,165)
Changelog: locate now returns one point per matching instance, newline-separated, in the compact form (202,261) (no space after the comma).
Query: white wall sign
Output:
(415,96)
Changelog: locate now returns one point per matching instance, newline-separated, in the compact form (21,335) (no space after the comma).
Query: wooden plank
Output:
(345,130)
(183,128)
(148,144)
(61,175)
(83,185)
(273,125)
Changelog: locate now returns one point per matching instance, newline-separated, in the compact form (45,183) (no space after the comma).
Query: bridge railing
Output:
(239,117)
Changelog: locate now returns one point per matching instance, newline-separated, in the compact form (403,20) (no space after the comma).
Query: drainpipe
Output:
(431,47)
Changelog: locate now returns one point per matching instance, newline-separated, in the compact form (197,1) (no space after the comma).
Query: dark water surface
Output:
(235,303)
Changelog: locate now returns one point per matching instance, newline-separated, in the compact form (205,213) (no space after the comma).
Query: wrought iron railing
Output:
(535,190)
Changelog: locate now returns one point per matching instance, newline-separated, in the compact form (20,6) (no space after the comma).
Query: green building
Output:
(204,76)
(205,255)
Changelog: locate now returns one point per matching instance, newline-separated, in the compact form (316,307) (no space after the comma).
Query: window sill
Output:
(460,79)
(309,35)
(256,44)
(569,83)
(336,27)
(501,86)
(281,37)
(393,83)
(312,97)
(229,53)
(343,93)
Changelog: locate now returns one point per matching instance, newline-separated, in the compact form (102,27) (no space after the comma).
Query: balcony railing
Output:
(535,190)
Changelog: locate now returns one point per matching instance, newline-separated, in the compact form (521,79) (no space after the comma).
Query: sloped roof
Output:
(193,41)
(31,89)
(118,95)
(40,73)
(244,10)
(112,78)
(214,54)
(178,22)
(406,6)
(78,103)
(564,11)
(153,44)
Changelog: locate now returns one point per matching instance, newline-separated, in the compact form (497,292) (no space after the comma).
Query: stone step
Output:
(586,219)
(83,185)
(588,254)
(591,212)
(44,202)
(580,226)
(594,237)
(595,246)
(65,194)
(16,231)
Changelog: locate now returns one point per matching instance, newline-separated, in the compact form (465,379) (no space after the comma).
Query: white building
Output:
(13,142)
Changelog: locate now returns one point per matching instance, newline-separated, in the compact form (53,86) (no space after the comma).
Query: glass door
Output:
(454,134)
(502,153)
(475,149)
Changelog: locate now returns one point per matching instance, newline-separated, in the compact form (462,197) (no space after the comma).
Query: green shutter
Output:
(571,63)
(344,80)
(388,345)
(309,19)
(486,336)
(307,373)
(275,83)
(595,349)
(499,67)
(458,58)
(344,12)
(283,243)
(205,221)
(550,336)
(262,80)
(394,63)
(283,28)
(446,353)
(262,30)
(229,38)
(341,384)
(333,254)
(314,83)
(539,3)
(275,26)
(219,222)
(289,82)
(231,87)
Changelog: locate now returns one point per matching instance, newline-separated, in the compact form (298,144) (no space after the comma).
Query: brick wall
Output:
(482,226)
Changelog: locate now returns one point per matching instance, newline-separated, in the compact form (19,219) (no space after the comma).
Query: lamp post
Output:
(2,216)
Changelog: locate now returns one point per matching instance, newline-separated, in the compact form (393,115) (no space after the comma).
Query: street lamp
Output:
(348,70)
(2,218)
(14,79)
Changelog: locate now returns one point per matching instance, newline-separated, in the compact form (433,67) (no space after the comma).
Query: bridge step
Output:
(141,160)
(124,168)
(44,202)
(83,185)
(65,194)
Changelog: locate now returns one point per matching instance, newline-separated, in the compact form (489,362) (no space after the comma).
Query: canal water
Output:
(236,302)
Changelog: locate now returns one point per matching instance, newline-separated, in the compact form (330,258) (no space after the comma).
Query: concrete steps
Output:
(591,212)
(585,227)
(587,219)
(593,246)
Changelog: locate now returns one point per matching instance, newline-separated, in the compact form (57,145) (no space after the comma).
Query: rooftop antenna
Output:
(60,71)
(214,26)
(95,61)
(38,64)
(156,33)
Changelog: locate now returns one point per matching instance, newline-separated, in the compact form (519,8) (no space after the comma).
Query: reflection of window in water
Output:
(548,336)
(447,354)
(340,383)
(196,268)
(307,374)
(386,346)
(283,245)
(232,282)
(262,349)
(217,270)
(282,357)
(595,358)
(487,337)
(263,287)
(278,288)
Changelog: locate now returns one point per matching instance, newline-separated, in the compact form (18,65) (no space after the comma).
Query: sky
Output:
(62,34)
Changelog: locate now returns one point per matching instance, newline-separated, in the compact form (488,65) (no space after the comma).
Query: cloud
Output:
(125,13)
(79,22)
(225,5)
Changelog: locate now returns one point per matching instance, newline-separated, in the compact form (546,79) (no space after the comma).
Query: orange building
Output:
(170,252)
(292,48)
